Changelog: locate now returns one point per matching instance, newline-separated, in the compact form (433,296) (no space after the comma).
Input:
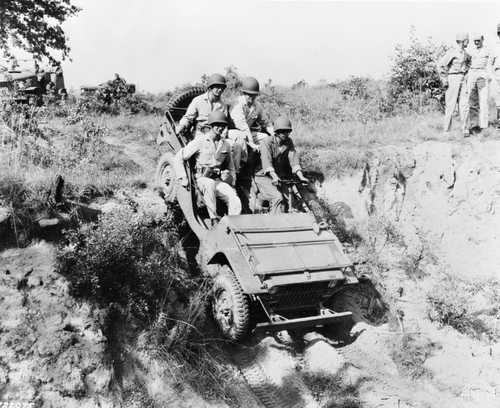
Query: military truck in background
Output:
(25,81)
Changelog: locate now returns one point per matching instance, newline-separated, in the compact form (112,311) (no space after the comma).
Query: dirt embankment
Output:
(426,214)
(447,192)
(430,216)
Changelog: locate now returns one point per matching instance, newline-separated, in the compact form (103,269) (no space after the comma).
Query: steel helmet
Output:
(477,37)
(462,37)
(282,123)
(217,118)
(216,79)
(250,86)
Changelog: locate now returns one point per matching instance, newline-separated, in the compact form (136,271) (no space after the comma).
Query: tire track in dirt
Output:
(270,371)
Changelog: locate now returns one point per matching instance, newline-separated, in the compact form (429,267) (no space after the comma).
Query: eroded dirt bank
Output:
(429,225)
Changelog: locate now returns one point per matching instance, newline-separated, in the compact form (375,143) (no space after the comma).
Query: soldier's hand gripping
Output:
(301,177)
(276,180)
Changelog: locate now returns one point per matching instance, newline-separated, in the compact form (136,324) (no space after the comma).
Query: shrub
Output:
(25,202)
(414,82)
(27,142)
(126,259)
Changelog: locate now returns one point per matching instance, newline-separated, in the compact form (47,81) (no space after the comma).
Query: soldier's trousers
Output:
(269,192)
(495,88)
(236,139)
(477,87)
(455,95)
(213,189)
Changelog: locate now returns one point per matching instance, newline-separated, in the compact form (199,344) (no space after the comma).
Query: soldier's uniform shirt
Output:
(248,117)
(199,109)
(480,58)
(455,61)
(211,154)
(282,158)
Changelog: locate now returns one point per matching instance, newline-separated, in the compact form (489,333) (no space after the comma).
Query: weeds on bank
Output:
(332,391)
(450,304)
(410,352)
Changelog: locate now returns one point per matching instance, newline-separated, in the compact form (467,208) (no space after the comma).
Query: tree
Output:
(414,75)
(35,26)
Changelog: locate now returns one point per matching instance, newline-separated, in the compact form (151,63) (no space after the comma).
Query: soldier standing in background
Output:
(453,68)
(495,80)
(477,83)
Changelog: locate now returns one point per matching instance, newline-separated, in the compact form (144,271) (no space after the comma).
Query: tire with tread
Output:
(165,179)
(226,284)
(182,99)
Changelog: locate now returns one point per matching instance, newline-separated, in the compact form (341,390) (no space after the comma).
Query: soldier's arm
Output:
(191,148)
(444,63)
(238,118)
(266,158)
(263,120)
(293,158)
(231,168)
(185,154)
(189,117)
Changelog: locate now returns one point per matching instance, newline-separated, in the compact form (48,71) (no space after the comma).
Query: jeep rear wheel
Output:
(165,180)
(230,306)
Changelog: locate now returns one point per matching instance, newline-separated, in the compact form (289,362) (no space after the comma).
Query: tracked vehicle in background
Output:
(270,272)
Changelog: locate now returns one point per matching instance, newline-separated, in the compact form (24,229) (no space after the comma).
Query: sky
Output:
(161,44)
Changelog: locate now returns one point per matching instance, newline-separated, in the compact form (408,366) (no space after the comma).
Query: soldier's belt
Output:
(210,172)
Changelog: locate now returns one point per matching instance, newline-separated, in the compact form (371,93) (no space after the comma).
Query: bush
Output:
(128,260)
(25,204)
(414,82)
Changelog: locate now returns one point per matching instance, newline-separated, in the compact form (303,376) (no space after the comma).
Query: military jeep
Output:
(270,272)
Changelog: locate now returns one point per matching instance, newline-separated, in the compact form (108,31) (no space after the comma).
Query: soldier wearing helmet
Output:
(477,83)
(250,124)
(495,80)
(278,159)
(201,106)
(215,174)
(453,68)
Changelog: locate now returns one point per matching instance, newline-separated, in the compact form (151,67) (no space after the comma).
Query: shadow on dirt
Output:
(367,306)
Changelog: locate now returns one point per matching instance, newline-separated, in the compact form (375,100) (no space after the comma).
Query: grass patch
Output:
(450,304)
(410,352)
(332,391)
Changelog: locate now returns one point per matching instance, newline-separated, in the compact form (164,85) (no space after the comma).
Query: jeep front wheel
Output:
(230,306)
